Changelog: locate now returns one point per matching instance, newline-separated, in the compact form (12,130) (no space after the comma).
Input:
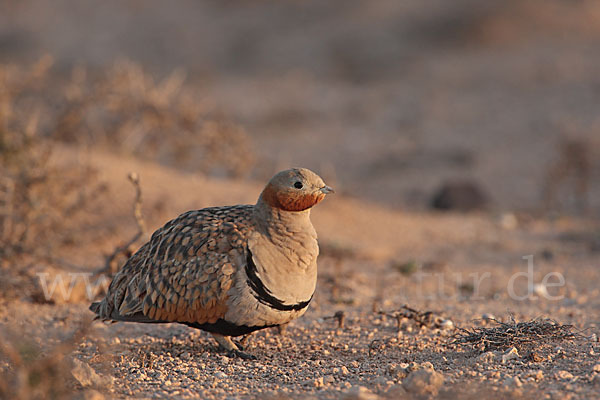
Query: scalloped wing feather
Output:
(184,273)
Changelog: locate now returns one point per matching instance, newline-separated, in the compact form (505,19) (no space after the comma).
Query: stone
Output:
(360,393)
(398,372)
(513,382)
(447,324)
(541,290)
(85,375)
(413,366)
(511,354)
(488,317)
(564,375)
(536,375)
(423,382)
(427,365)
(533,356)
(486,358)
(396,392)
(459,196)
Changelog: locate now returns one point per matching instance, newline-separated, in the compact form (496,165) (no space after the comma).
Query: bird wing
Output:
(184,272)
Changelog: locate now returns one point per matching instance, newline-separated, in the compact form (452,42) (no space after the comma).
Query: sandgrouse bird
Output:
(226,270)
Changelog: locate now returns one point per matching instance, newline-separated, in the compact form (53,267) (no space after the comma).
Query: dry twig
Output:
(522,335)
(422,318)
(111,265)
(340,316)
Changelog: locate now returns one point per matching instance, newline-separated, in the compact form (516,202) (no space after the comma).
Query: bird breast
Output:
(286,264)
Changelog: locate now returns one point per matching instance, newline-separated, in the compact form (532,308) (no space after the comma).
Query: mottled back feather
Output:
(184,272)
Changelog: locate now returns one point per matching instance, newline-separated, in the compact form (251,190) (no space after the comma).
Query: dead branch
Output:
(340,316)
(111,265)
(522,335)
(422,318)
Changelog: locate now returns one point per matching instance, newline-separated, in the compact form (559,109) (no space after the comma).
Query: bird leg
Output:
(227,344)
(282,328)
(242,343)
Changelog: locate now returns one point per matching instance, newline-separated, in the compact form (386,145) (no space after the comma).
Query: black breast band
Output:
(263,294)
(226,328)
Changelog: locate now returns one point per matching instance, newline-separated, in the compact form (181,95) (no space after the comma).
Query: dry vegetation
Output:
(40,201)
(124,109)
(43,201)
(370,261)
(128,110)
(421,318)
(524,336)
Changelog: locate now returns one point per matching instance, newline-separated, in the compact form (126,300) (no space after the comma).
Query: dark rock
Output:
(459,196)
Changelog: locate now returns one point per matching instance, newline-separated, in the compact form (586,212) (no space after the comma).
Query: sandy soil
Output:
(386,100)
(361,270)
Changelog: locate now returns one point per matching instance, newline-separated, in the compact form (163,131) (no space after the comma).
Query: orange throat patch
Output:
(290,201)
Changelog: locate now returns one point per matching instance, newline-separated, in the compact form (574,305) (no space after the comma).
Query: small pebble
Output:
(423,382)
(220,375)
(541,290)
(427,365)
(486,358)
(564,375)
(380,380)
(447,324)
(511,354)
(360,393)
(513,382)
(488,317)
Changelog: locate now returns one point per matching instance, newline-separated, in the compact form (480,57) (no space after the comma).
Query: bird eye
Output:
(298,185)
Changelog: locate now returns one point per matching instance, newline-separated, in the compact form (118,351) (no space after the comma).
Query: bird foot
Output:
(230,348)
(281,329)
(240,346)
(241,354)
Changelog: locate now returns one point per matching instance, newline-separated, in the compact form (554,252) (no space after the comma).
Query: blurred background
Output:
(402,106)
(411,104)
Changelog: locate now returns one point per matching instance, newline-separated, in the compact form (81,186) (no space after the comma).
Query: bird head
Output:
(295,189)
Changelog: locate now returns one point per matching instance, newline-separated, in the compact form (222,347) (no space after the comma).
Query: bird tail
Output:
(95,308)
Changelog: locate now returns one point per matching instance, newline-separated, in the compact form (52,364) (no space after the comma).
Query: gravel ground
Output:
(366,266)
(387,100)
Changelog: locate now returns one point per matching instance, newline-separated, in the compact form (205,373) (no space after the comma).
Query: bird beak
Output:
(327,190)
